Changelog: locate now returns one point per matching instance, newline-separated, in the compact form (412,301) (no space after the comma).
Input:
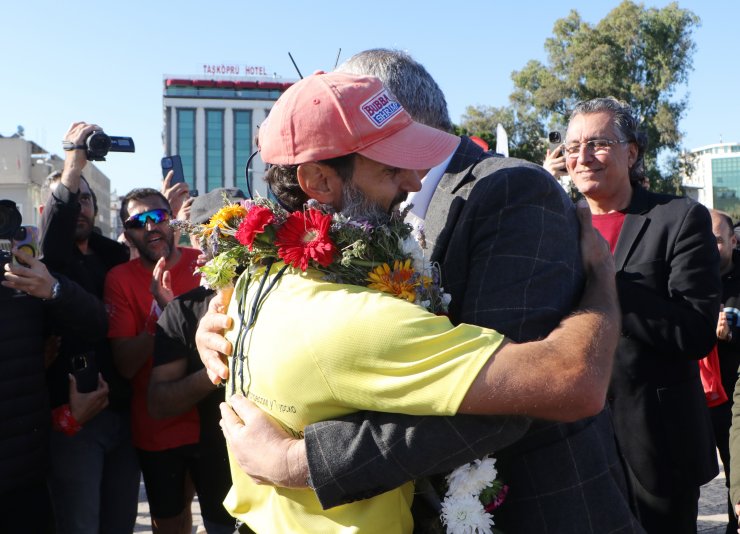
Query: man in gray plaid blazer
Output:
(506,237)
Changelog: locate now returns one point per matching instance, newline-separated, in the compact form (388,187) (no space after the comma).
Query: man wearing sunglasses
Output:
(135,295)
(669,288)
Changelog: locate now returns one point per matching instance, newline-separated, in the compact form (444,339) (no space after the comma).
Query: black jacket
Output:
(24,405)
(669,287)
(61,254)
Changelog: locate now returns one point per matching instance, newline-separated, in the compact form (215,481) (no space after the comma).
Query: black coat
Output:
(24,406)
(669,291)
(61,254)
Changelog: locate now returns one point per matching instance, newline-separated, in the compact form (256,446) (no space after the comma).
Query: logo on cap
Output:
(380,108)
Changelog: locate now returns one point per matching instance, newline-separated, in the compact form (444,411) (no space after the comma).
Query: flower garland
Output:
(382,256)
(473,493)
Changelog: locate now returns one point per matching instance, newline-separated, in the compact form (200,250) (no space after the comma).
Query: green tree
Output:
(522,130)
(636,54)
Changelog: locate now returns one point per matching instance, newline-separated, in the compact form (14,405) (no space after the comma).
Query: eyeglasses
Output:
(139,220)
(595,146)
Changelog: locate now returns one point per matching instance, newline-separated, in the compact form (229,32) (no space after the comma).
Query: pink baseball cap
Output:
(328,115)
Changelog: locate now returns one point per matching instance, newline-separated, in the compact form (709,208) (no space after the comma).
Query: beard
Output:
(142,245)
(356,205)
(83,230)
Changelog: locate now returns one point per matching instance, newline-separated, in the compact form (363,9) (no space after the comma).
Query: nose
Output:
(411,181)
(584,154)
(150,224)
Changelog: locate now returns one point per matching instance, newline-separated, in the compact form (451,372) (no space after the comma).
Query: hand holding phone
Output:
(85,406)
(174,164)
(174,187)
(555,161)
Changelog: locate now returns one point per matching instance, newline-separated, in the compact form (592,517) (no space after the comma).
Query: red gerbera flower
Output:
(254,223)
(304,237)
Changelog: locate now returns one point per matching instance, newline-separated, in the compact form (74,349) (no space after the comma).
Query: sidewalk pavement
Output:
(713,506)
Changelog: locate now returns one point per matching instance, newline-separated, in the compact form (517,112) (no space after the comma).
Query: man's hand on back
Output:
(262,449)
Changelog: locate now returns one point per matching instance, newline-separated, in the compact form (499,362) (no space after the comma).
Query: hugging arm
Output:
(364,454)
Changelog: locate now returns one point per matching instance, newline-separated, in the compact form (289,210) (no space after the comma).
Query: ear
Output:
(321,183)
(633,152)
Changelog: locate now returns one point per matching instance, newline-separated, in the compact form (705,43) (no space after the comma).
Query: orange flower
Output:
(399,281)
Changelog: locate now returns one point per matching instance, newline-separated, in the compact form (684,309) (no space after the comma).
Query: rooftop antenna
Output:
(296,66)
(337,61)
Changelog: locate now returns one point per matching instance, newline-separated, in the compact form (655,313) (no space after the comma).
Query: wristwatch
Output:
(56,290)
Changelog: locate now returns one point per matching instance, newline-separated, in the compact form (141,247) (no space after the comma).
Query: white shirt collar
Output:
(421,199)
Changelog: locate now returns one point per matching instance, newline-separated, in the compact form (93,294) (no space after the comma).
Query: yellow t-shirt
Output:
(320,350)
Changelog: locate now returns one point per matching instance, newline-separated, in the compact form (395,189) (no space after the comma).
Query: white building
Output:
(24,166)
(715,181)
(212,124)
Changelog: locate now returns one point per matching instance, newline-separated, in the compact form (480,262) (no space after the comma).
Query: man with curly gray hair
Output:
(669,290)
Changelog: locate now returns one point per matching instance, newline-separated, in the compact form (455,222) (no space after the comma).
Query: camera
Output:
(10,226)
(10,219)
(24,238)
(99,144)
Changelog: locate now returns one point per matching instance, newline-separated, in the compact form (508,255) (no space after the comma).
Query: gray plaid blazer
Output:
(506,236)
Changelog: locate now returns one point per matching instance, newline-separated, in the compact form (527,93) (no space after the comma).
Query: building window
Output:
(186,143)
(726,185)
(242,146)
(214,149)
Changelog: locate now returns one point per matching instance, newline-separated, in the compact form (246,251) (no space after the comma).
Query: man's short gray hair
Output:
(627,125)
(408,80)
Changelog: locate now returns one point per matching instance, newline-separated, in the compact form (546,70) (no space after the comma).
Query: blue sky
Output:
(104,62)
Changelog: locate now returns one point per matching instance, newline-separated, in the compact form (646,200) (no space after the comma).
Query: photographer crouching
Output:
(94,476)
(33,303)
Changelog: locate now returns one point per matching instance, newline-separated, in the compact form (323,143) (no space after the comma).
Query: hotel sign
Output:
(233,69)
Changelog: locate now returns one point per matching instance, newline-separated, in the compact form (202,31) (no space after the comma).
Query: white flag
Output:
(502,140)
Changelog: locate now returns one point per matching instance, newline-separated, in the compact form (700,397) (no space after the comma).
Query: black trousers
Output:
(721,421)
(675,513)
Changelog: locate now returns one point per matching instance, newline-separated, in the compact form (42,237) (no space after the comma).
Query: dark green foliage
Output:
(636,54)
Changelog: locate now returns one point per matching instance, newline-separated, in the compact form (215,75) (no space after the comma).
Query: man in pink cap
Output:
(345,141)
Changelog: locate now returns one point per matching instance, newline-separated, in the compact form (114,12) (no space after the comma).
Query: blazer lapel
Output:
(634,222)
(444,210)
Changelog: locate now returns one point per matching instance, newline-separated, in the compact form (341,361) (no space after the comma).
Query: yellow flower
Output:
(223,217)
(399,281)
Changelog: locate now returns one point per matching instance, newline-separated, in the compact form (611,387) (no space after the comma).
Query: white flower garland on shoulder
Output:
(473,493)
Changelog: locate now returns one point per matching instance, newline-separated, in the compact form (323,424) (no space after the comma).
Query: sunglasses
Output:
(139,221)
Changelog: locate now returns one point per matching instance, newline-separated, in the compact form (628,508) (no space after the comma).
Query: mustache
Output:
(153,233)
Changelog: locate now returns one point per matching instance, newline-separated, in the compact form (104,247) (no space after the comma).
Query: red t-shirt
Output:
(609,225)
(132,309)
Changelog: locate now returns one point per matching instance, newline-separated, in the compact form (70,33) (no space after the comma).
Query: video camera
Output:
(99,144)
